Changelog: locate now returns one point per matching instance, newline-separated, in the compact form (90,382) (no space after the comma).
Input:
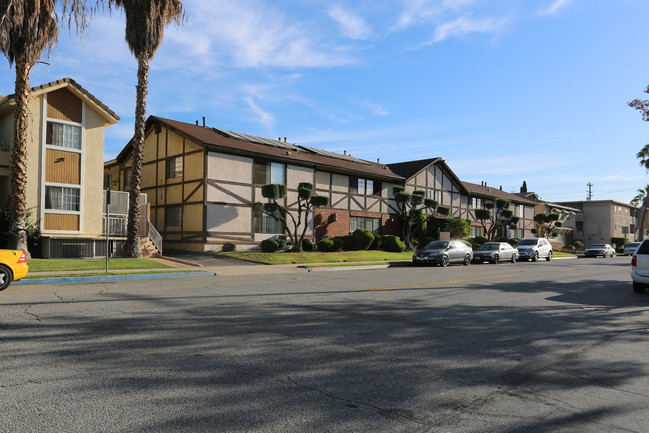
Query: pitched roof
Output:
(108,114)
(489,191)
(232,142)
(408,169)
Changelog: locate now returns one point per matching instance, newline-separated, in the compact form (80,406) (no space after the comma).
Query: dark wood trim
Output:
(205,168)
(237,196)
(186,199)
(357,202)
(222,203)
(175,204)
(345,197)
(182,190)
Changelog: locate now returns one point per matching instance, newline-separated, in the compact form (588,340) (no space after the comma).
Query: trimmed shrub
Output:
(338,245)
(281,242)
(363,238)
(479,240)
(501,239)
(393,244)
(578,244)
(619,241)
(513,241)
(228,247)
(426,240)
(269,245)
(325,245)
(349,244)
(377,242)
(307,245)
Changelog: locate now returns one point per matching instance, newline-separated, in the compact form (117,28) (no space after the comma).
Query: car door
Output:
(454,252)
(506,251)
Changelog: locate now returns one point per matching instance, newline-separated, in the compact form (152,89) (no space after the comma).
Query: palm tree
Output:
(27,28)
(643,156)
(642,198)
(145,24)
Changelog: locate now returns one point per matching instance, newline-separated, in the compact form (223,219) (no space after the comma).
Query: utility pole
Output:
(590,191)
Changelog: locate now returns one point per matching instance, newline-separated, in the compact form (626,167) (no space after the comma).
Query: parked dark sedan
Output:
(494,252)
(443,253)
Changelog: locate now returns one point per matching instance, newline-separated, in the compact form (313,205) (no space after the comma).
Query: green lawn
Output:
(56,265)
(318,257)
(562,254)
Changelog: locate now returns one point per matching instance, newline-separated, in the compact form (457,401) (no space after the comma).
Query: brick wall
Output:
(331,222)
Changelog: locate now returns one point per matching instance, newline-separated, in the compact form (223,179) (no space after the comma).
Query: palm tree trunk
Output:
(643,212)
(19,159)
(133,240)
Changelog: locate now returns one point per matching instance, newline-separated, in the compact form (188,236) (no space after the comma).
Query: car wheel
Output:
(5,277)
(467,260)
(496,259)
(536,257)
(638,288)
(513,259)
(444,261)
(549,257)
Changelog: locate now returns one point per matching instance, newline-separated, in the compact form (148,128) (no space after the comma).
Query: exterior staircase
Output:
(149,249)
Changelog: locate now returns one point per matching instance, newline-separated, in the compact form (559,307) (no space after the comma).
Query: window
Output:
(59,134)
(435,195)
(520,233)
(4,147)
(127,176)
(265,223)
(173,216)
(359,185)
(269,172)
(476,231)
(476,203)
(62,198)
(174,167)
(521,210)
(579,225)
(371,224)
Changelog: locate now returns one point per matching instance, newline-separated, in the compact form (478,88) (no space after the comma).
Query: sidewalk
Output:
(185,268)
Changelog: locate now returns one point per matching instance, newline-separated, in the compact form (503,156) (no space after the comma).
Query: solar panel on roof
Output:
(255,139)
(330,154)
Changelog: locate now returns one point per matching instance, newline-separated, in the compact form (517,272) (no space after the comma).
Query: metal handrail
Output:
(155,237)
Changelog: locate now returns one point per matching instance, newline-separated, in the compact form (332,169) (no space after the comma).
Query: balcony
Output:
(118,214)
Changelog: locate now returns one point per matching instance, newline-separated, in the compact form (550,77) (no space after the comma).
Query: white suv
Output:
(534,249)
(640,267)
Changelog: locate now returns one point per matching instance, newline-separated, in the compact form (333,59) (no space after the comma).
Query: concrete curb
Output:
(98,278)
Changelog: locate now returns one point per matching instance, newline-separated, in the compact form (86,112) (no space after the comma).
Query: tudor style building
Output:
(65,148)
(202,184)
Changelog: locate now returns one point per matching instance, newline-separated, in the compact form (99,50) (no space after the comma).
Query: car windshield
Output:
(488,247)
(633,245)
(527,242)
(436,245)
(598,247)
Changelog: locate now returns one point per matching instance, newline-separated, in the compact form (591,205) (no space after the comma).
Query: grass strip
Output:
(58,265)
(285,258)
(103,274)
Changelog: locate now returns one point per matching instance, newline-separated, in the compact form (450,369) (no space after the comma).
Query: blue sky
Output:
(503,90)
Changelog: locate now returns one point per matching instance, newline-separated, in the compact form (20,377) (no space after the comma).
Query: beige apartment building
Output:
(600,220)
(65,153)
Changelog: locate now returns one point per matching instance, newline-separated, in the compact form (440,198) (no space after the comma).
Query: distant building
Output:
(600,220)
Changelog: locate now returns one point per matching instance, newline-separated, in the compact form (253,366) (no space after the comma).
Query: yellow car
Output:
(13,267)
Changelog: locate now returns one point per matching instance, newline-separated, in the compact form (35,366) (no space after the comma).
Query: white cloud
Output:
(253,35)
(376,109)
(265,118)
(423,11)
(352,25)
(554,7)
(463,26)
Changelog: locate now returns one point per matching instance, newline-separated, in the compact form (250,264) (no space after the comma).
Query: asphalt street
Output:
(528,347)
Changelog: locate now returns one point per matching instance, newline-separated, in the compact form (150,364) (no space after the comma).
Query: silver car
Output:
(534,249)
(494,252)
(630,248)
(596,250)
(443,253)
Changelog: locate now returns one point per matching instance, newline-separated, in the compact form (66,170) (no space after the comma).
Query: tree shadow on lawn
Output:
(329,365)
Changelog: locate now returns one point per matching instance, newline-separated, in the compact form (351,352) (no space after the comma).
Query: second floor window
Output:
(269,172)
(63,135)
(359,185)
(173,216)
(174,167)
(62,198)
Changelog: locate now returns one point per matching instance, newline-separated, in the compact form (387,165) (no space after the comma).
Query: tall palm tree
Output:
(642,198)
(145,24)
(27,28)
(643,156)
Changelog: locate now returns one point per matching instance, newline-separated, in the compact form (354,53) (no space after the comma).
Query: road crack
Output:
(38,319)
